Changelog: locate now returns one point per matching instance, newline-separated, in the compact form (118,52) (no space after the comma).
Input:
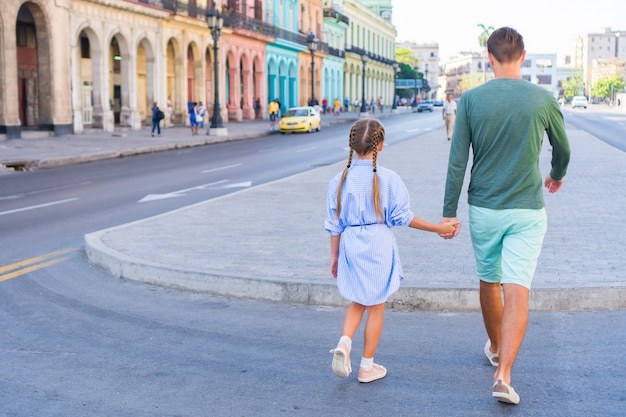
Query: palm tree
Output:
(482,41)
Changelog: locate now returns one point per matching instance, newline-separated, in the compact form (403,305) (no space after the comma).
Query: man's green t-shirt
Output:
(503,121)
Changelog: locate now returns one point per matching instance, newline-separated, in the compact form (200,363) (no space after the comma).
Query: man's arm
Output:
(457,163)
(560,144)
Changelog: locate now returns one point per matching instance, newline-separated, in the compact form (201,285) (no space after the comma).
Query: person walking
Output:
(448,112)
(504,121)
(336,107)
(156,120)
(193,118)
(170,111)
(201,114)
(364,202)
(273,109)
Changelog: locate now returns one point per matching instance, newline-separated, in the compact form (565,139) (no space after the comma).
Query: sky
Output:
(548,26)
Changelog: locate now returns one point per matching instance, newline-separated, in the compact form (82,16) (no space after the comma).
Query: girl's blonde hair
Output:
(365,136)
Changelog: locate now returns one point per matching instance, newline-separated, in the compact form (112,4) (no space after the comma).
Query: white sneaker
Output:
(369,375)
(341,361)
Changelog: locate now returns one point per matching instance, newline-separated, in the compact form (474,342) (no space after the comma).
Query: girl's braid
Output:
(377,137)
(352,143)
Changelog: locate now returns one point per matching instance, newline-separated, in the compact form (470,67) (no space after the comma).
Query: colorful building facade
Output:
(70,66)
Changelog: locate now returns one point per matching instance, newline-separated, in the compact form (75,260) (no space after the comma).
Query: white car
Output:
(579,101)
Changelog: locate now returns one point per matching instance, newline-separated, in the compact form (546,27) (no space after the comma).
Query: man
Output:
(504,122)
(449,114)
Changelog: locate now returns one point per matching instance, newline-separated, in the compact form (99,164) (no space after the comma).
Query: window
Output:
(544,79)
(25,35)
(84,47)
(543,63)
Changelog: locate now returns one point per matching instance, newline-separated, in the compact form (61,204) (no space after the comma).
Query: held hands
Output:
(451,226)
(552,185)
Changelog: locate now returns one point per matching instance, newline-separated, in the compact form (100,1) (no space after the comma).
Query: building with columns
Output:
(34,64)
(70,66)
(370,50)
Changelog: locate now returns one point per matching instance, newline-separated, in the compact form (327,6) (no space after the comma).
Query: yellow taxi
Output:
(300,119)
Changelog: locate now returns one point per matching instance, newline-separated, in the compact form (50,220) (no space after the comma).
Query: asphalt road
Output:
(77,342)
(83,344)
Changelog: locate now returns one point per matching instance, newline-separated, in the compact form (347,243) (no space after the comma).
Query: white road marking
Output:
(221,168)
(306,149)
(52,203)
(180,193)
(45,190)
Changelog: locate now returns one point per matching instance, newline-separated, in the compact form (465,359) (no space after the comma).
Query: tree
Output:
(605,87)
(573,86)
(482,41)
(484,35)
(408,62)
(405,56)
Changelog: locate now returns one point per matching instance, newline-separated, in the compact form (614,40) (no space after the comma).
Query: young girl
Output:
(364,202)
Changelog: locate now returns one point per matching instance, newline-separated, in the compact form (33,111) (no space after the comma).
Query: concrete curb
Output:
(120,265)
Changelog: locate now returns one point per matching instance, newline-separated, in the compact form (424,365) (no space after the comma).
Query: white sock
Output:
(347,341)
(367,363)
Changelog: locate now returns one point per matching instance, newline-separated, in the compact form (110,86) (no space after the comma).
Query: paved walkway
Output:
(282,257)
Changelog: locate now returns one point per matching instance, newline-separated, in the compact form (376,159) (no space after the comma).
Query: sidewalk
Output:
(284,258)
(46,152)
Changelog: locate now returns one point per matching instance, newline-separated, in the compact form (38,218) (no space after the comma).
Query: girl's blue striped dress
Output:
(369,268)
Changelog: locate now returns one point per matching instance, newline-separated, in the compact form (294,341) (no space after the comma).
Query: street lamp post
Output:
(364,59)
(312,41)
(416,91)
(426,94)
(394,106)
(215,21)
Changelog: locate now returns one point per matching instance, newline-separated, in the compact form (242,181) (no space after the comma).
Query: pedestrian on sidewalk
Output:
(336,107)
(273,109)
(504,121)
(170,111)
(448,112)
(201,114)
(157,116)
(364,252)
(193,117)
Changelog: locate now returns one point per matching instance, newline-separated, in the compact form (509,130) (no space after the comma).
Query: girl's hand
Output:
(333,267)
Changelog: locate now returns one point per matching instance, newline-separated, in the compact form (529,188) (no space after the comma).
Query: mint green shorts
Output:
(507,243)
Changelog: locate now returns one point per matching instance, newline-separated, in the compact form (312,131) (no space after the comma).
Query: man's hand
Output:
(552,185)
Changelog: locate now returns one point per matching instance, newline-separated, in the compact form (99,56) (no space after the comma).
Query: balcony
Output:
(334,14)
(237,20)
(371,56)
(336,52)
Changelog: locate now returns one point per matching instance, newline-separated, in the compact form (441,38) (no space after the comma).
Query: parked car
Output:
(438,103)
(424,105)
(300,119)
(579,101)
